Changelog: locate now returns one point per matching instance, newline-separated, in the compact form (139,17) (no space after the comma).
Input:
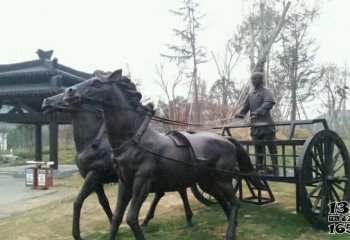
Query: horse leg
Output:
(224,193)
(87,188)
(227,190)
(188,211)
(211,188)
(124,196)
(152,209)
(140,191)
(233,223)
(104,201)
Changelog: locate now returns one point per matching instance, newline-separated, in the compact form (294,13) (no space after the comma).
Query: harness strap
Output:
(230,173)
(148,112)
(135,140)
(96,142)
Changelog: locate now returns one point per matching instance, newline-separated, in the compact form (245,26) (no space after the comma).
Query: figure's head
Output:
(257,79)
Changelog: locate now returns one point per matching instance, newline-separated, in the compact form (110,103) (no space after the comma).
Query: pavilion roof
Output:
(42,77)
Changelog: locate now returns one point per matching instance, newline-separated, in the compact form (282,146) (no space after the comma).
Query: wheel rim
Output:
(202,196)
(206,198)
(323,176)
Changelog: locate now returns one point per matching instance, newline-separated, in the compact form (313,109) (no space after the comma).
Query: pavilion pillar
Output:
(53,132)
(38,143)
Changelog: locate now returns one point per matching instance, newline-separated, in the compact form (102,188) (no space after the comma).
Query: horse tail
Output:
(245,164)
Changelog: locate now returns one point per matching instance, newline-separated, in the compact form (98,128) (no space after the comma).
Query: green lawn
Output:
(275,221)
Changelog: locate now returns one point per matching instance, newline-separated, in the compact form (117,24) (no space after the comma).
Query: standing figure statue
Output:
(259,102)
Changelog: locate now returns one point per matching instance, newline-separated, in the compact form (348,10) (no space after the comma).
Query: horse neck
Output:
(85,127)
(121,125)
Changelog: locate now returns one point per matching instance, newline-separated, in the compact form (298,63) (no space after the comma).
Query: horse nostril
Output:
(70,91)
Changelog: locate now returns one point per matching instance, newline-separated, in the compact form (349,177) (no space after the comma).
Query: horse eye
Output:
(97,83)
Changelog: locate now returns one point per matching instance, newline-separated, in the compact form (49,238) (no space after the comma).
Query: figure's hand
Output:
(260,112)
(238,115)
(253,114)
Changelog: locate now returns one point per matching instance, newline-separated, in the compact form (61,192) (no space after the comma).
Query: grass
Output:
(53,221)
(275,222)
(66,155)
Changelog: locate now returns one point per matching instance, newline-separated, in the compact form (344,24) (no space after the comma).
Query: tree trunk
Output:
(263,51)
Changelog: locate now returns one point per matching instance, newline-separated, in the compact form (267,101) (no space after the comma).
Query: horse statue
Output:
(94,159)
(147,161)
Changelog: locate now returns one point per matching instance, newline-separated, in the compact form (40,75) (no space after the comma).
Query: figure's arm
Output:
(244,109)
(267,105)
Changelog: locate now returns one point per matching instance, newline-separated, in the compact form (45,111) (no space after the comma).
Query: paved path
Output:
(18,171)
(15,197)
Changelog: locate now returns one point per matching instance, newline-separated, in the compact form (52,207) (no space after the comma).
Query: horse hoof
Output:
(190,225)
(144,225)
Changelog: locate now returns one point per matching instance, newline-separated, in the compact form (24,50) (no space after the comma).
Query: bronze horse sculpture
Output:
(94,159)
(148,161)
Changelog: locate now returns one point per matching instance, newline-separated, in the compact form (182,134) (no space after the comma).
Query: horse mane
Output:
(128,88)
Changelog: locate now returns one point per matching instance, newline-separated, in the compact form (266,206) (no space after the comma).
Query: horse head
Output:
(119,100)
(111,89)
(79,111)
(54,103)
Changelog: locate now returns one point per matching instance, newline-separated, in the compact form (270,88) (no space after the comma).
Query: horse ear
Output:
(115,74)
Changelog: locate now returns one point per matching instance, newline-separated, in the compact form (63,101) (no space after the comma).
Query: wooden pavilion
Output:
(23,86)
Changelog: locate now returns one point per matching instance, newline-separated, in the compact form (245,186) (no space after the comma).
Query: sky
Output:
(111,34)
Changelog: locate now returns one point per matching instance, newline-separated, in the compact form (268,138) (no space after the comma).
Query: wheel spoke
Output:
(328,153)
(339,167)
(335,159)
(331,197)
(342,179)
(314,190)
(339,187)
(323,201)
(335,193)
(320,152)
(313,169)
(317,163)
(317,200)
(315,180)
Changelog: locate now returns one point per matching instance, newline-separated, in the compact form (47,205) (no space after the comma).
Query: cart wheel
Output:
(206,198)
(323,176)
(202,196)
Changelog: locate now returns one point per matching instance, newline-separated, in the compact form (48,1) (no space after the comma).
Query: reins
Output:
(154,118)
(234,173)
(150,114)
(136,139)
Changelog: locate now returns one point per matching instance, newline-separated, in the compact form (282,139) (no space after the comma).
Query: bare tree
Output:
(138,82)
(190,53)
(265,26)
(333,94)
(297,55)
(169,87)
(224,91)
